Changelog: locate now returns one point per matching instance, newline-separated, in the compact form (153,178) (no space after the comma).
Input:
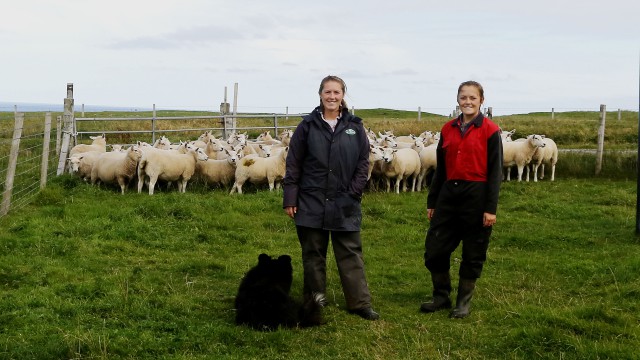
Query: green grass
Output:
(88,273)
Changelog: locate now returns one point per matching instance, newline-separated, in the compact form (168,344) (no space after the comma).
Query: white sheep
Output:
(547,154)
(98,143)
(82,164)
(507,135)
(519,153)
(401,164)
(169,166)
(285,136)
(428,161)
(259,170)
(221,172)
(118,167)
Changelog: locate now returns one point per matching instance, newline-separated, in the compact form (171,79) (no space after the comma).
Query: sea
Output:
(39,107)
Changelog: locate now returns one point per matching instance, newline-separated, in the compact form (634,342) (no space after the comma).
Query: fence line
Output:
(27,165)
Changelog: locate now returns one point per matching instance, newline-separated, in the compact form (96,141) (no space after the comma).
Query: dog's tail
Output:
(311,311)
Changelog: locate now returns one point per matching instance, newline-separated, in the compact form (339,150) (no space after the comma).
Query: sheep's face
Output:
(74,162)
(201,155)
(377,153)
(388,155)
(536,140)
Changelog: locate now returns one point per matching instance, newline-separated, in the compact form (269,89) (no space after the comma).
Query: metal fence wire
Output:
(22,148)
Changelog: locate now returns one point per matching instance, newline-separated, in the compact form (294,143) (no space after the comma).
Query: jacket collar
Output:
(477,121)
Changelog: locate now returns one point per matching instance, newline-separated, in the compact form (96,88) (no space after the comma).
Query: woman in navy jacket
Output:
(463,200)
(326,173)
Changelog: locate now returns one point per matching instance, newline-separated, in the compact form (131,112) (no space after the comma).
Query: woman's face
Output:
(331,96)
(469,100)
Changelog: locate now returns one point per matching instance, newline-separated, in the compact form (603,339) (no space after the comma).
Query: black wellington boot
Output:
(463,302)
(441,290)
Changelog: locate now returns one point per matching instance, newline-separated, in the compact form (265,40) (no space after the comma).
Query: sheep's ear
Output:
(543,136)
(262,258)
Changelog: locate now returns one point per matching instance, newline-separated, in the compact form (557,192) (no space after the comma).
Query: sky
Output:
(565,55)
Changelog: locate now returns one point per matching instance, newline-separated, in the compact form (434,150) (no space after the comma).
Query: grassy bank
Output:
(87,273)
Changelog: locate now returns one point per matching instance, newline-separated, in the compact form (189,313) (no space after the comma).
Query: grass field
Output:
(86,273)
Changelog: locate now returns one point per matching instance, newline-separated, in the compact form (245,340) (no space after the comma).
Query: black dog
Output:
(263,300)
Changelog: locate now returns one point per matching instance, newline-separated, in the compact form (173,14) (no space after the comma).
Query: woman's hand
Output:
(488,219)
(430,213)
(291,211)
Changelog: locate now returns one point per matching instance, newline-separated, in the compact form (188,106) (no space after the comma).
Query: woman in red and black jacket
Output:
(463,200)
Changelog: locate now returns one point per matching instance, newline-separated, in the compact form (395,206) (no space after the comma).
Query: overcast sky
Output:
(529,56)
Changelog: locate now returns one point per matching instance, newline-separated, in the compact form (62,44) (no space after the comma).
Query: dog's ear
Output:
(263,258)
(285,258)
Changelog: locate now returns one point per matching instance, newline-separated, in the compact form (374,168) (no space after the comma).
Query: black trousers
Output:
(347,248)
(458,219)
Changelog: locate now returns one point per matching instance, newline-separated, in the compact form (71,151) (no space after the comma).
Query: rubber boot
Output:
(441,290)
(463,302)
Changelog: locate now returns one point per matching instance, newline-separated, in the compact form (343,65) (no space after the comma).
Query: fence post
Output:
(553,113)
(13,162)
(619,114)
(603,115)
(68,128)
(44,166)
(58,133)
(419,113)
(275,125)
(153,125)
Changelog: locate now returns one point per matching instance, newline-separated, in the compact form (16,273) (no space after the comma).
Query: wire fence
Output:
(27,158)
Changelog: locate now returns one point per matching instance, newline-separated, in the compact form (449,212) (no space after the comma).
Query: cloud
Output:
(200,35)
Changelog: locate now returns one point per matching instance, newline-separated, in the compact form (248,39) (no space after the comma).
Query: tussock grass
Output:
(88,273)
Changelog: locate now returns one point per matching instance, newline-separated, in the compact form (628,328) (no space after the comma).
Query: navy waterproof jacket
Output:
(327,172)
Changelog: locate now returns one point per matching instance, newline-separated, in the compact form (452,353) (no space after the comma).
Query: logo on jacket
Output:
(350,132)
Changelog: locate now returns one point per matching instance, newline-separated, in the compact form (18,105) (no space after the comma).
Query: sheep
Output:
(547,154)
(117,167)
(264,136)
(98,143)
(215,171)
(375,164)
(507,135)
(260,170)
(169,166)
(428,161)
(285,136)
(401,164)
(519,153)
(81,164)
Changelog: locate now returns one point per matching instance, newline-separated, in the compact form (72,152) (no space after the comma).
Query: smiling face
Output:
(331,96)
(470,100)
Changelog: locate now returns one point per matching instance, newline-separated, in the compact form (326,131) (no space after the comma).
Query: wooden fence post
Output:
(419,113)
(58,133)
(619,114)
(153,126)
(603,115)
(68,129)
(44,166)
(13,162)
(553,113)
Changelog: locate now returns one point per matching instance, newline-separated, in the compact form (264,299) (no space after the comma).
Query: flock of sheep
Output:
(236,160)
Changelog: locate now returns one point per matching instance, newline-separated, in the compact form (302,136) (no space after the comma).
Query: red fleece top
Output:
(466,157)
